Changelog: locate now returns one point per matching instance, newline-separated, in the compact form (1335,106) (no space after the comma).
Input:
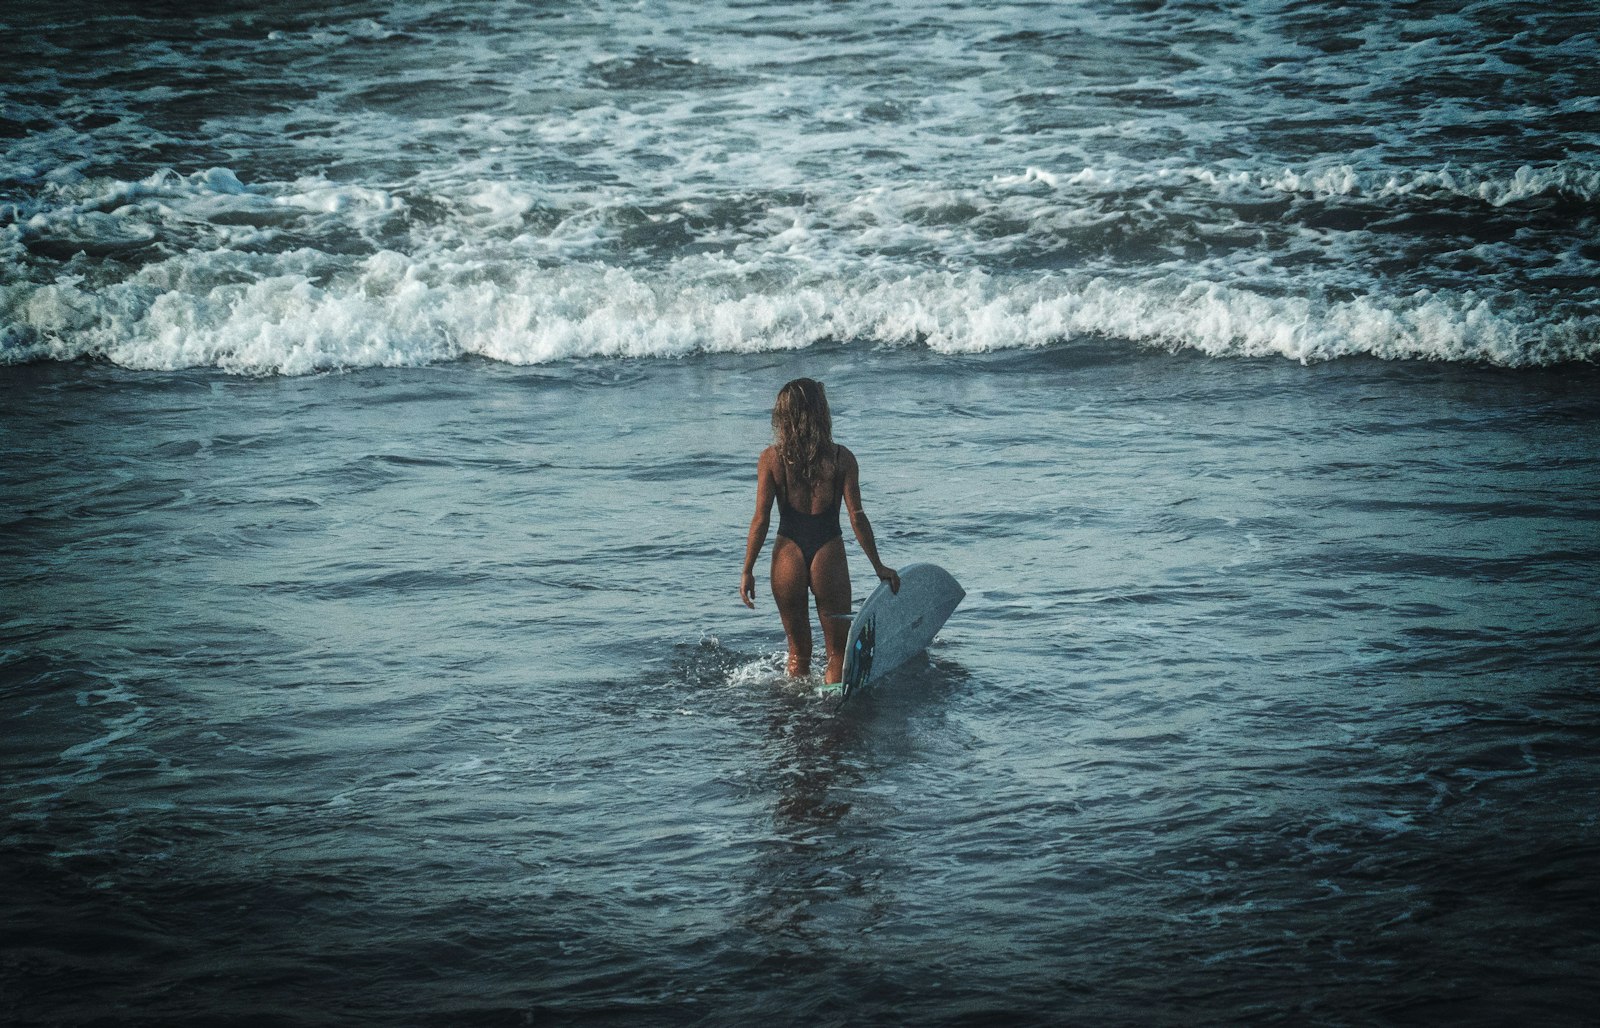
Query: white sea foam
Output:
(393,310)
(926,176)
(1496,189)
(1491,185)
(521,273)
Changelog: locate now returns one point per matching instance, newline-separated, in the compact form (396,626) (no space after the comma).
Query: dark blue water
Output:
(380,395)
(425,696)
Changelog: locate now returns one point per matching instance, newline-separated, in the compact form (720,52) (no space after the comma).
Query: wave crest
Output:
(392,310)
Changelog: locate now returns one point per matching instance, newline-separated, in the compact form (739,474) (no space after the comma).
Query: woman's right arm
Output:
(766,492)
(859,523)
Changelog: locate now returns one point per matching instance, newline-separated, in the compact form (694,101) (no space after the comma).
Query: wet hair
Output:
(802,430)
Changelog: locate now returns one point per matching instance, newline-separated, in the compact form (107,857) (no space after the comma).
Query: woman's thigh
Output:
(830,581)
(789,581)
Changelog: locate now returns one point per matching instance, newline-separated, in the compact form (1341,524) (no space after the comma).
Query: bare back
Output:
(819,495)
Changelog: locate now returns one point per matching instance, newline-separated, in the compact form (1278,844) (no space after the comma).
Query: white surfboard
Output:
(891,628)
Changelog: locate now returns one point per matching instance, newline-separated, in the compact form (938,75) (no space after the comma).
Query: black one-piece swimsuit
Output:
(811,532)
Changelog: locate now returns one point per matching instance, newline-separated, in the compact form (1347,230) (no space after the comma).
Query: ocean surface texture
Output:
(381,387)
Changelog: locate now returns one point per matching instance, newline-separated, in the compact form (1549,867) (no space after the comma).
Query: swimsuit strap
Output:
(838,479)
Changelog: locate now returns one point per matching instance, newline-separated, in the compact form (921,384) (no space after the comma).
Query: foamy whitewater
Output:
(381,387)
(296,190)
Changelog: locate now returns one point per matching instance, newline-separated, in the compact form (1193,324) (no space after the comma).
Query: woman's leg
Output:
(789,580)
(830,581)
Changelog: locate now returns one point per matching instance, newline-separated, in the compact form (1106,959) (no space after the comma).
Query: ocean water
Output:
(380,394)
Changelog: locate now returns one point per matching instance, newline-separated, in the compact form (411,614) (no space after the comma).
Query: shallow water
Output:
(380,394)
(425,696)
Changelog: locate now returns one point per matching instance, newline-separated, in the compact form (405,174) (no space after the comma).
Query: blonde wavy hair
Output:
(802,431)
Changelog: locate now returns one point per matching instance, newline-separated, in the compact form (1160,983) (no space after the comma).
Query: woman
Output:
(809,474)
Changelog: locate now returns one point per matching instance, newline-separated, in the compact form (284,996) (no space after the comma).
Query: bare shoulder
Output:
(847,460)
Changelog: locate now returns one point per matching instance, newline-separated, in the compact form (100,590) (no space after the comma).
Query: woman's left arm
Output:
(859,523)
(766,492)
